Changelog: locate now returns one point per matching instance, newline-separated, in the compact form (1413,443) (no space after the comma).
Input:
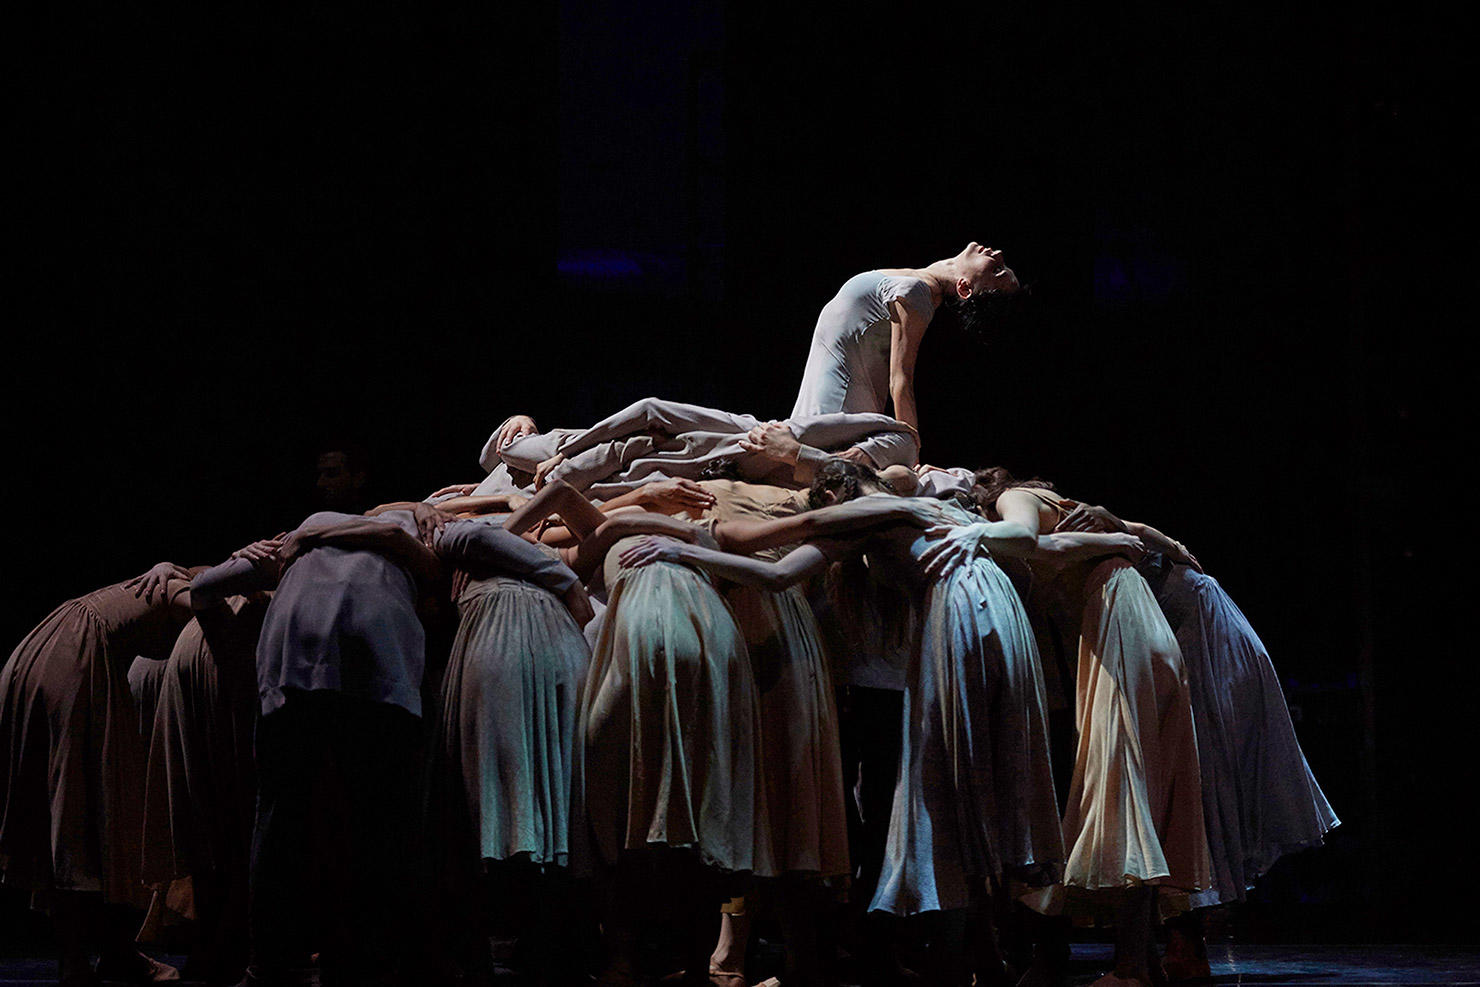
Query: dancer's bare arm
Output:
(557,497)
(1086,518)
(797,564)
(587,557)
(1027,510)
(906,329)
(748,537)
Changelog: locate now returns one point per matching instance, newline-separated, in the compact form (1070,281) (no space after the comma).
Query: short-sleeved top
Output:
(345,621)
(848,367)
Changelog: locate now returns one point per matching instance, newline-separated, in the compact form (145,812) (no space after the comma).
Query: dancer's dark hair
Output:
(721,469)
(992,482)
(991,312)
(846,480)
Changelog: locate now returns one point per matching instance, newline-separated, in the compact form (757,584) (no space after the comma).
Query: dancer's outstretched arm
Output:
(1019,507)
(1165,544)
(586,557)
(481,548)
(797,564)
(1097,519)
(748,537)
(557,497)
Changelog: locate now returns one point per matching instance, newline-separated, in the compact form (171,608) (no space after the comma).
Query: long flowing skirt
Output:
(71,779)
(1260,799)
(798,730)
(202,781)
(1134,812)
(507,733)
(669,715)
(975,797)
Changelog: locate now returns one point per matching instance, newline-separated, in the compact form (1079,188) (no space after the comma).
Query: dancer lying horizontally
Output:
(653,439)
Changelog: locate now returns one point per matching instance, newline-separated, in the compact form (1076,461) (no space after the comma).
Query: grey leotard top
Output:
(848,367)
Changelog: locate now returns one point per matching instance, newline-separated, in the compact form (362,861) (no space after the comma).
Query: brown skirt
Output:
(798,731)
(201,787)
(72,778)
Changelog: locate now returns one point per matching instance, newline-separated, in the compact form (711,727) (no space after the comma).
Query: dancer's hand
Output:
(578,602)
(856,455)
(517,427)
(1090,519)
(1128,545)
(261,551)
(429,522)
(955,545)
(672,496)
(267,555)
(460,489)
(156,580)
(542,471)
(774,441)
(649,550)
(1185,557)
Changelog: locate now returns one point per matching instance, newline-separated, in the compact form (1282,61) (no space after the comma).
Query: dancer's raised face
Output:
(983,271)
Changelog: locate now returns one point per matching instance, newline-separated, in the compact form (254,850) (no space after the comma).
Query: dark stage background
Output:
(242,238)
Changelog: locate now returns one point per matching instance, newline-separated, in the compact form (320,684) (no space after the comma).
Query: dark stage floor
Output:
(1256,966)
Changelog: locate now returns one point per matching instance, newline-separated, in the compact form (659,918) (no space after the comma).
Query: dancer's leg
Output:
(727,962)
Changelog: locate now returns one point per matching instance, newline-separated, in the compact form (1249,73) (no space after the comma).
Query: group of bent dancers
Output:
(682,668)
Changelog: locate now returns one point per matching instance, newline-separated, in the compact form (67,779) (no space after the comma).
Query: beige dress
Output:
(669,713)
(1134,809)
(798,710)
(72,774)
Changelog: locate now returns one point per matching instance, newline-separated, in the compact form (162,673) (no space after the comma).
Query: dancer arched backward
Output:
(1260,798)
(654,439)
(868,337)
(1133,820)
(975,799)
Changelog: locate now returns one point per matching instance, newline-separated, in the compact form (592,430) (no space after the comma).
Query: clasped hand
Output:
(156,580)
(649,550)
(954,546)
(674,495)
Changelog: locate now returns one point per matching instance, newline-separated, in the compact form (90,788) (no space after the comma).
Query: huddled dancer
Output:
(647,683)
